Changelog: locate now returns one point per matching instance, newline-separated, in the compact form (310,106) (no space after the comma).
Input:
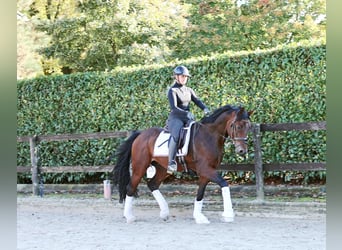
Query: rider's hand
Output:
(206,111)
(190,116)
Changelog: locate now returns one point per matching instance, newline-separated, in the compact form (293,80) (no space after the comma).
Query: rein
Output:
(231,136)
(230,132)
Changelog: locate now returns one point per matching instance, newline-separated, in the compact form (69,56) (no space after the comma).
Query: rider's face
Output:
(182,79)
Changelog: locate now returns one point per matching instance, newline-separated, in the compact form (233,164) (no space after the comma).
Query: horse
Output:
(135,156)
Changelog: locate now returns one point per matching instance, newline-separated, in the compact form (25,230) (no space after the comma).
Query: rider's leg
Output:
(175,126)
(172,165)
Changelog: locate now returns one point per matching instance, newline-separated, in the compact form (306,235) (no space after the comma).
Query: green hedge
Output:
(284,84)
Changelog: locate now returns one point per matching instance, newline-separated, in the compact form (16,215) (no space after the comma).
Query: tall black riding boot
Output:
(172,165)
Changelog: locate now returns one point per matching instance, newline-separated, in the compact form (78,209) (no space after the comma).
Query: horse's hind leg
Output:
(131,191)
(128,209)
(164,208)
(153,184)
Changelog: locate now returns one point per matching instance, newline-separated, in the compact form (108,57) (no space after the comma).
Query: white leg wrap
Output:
(128,209)
(228,212)
(198,215)
(164,208)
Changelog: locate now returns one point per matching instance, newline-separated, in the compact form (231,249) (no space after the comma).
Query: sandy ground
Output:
(63,222)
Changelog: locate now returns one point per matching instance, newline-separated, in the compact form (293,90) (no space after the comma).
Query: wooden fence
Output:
(258,167)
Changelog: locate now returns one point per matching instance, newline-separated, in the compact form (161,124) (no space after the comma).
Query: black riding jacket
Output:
(180,97)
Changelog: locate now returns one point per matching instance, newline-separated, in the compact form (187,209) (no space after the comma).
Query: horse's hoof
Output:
(228,216)
(164,213)
(130,219)
(227,219)
(201,219)
(164,218)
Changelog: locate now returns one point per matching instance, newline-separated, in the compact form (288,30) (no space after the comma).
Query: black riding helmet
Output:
(181,70)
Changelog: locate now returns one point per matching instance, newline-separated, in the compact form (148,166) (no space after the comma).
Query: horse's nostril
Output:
(241,152)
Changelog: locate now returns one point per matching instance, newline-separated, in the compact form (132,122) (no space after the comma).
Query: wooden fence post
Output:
(34,165)
(259,173)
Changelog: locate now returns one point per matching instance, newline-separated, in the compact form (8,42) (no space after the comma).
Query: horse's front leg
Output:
(228,212)
(199,217)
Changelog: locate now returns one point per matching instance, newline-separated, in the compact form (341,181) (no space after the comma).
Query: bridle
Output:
(231,131)
(232,134)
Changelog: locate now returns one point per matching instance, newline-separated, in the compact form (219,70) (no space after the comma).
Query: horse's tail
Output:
(121,175)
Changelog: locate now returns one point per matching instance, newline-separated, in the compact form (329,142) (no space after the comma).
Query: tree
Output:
(217,26)
(104,34)
(28,61)
(99,35)
(29,40)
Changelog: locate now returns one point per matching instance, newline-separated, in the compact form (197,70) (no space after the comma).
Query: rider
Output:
(180,97)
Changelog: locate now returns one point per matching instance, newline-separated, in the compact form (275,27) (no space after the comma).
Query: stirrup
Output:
(172,167)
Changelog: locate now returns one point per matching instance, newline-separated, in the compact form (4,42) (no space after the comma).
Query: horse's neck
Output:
(220,125)
(217,131)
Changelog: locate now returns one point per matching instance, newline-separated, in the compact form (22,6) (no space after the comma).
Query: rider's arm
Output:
(197,101)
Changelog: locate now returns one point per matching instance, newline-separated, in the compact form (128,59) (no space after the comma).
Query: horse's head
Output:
(233,122)
(237,128)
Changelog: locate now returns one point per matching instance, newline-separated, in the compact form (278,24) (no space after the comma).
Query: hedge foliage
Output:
(284,84)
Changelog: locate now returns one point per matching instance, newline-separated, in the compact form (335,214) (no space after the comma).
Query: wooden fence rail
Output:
(258,167)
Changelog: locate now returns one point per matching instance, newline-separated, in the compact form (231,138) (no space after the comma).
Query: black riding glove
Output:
(206,111)
(190,116)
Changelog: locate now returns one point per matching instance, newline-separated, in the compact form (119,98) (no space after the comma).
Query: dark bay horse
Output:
(205,154)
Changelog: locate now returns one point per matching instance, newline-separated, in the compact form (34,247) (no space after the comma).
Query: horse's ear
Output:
(250,113)
(240,112)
